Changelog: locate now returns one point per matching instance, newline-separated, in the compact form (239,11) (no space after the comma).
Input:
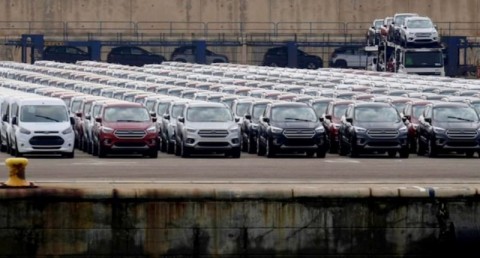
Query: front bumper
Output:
(444,143)
(368,143)
(45,143)
(112,143)
(291,144)
(196,142)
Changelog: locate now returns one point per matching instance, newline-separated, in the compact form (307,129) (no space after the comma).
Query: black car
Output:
(250,123)
(370,127)
(278,56)
(65,54)
(134,56)
(290,127)
(448,127)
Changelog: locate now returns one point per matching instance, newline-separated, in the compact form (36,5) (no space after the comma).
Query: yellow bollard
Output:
(16,167)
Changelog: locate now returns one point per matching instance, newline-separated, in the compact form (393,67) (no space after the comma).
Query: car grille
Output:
(46,132)
(129,134)
(423,34)
(461,134)
(38,142)
(299,133)
(213,133)
(213,144)
(299,142)
(382,133)
(130,144)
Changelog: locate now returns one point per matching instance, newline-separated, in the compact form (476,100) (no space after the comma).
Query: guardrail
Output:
(127,28)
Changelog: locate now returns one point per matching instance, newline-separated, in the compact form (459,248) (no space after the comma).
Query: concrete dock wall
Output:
(186,221)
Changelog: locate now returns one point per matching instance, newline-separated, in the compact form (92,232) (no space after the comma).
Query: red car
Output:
(124,127)
(412,111)
(332,120)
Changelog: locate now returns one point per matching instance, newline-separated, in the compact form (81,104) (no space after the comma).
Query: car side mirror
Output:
(266,120)
(154,119)
(329,117)
(349,119)
(428,120)
(78,114)
(14,120)
(237,119)
(72,121)
(408,117)
(249,117)
(166,116)
(98,119)
(404,119)
(181,119)
(88,117)
(321,119)
(153,114)
(5,118)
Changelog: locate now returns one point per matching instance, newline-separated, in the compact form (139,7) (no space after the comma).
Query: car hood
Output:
(379,125)
(456,125)
(211,125)
(421,30)
(45,127)
(128,125)
(295,124)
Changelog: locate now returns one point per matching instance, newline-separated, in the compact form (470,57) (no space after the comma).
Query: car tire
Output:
(312,65)
(251,143)
(184,151)
(218,61)
(270,151)
(321,153)
(170,147)
(178,148)
(273,64)
(3,148)
(236,153)
(260,148)
(431,150)
(353,148)
(153,153)
(102,153)
(342,148)
(421,150)
(469,154)
(18,154)
(392,154)
(69,155)
(244,144)
(404,153)
(340,64)
(181,60)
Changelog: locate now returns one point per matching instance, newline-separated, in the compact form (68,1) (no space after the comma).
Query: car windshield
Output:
(339,110)
(162,108)
(292,114)
(126,114)
(476,105)
(399,106)
(376,114)
(418,110)
(43,113)
(378,24)
(320,108)
(242,109)
(455,114)
(258,110)
(209,114)
(177,110)
(76,105)
(423,59)
(419,24)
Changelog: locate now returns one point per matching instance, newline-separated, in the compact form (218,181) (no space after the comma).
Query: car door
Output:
(262,129)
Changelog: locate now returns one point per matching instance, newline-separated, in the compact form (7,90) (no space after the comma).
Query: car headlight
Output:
(403,129)
(411,33)
(67,131)
(234,129)
(190,130)
(359,129)
(255,126)
(107,130)
(151,129)
(438,130)
(320,129)
(274,129)
(24,131)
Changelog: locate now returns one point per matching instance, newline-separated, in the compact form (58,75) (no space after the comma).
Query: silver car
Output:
(418,30)
(207,128)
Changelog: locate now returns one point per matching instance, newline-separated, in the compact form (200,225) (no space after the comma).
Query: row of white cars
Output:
(168,88)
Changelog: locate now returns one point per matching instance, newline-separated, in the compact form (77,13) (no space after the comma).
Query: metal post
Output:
(292,54)
(200,53)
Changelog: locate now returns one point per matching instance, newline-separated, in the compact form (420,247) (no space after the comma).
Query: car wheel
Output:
(273,64)
(170,147)
(251,145)
(431,150)
(235,153)
(321,153)
(469,154)
(342,148)
(18,154)
(178,148)
(3,148)
(270,152)
(353,148)
(420,148)
(69,155)
(102,153)
(340,64)
(404,153)
(310,154)
(184,151)
(260,148)
(181,60)
(218,61)
(153,153)
(244,144)
(312,65)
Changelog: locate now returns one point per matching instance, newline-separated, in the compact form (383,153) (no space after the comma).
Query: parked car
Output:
(418,30)
(250,125)
(65,54)
(123,127)
(385,27)
(187,54)
(350,57)
(373,34)
(331,120)
(369,127)
(278,57)
(291,127)
(448,127)
(411,113)
(207,128)
(394,28)
(134,56)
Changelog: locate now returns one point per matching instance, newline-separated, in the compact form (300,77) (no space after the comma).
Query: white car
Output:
(373,34)
(394,27)
(418,30)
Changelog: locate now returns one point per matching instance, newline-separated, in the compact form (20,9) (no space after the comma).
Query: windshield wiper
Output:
(48,118)
(128,120)
(297,119)
(460,118)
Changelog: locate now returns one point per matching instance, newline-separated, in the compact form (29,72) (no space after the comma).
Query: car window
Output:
(126,114)
(339,110)
(455,114)
(209,114)
(242,109)
(137,51)
(71,50)
(292,114)
(43,113)
(376,114)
